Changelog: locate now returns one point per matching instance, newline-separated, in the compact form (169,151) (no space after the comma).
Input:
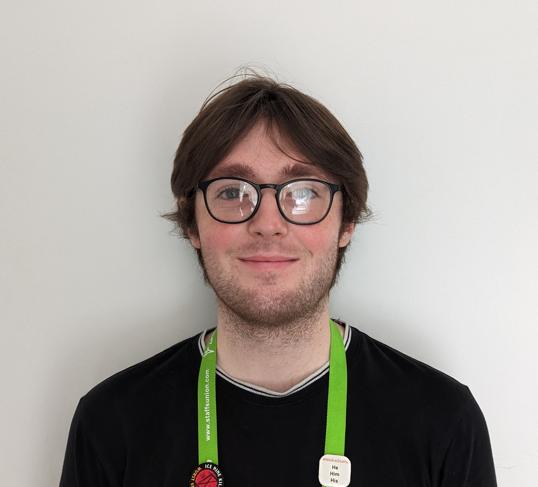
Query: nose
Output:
(268,221)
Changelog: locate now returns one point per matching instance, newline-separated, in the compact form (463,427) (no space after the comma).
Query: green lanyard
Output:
(335,435)
(207,405)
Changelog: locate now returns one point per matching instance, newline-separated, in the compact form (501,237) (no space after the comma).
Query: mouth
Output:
(268,262)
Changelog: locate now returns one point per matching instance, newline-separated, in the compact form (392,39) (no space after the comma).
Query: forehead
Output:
(256,157)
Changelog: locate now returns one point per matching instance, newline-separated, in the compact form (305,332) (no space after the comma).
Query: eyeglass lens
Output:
(303,201)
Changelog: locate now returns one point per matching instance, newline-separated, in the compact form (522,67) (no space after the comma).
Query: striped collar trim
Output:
(324,369)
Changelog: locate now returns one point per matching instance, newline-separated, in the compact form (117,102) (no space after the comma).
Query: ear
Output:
(193,232)
(345,238)
(195,239)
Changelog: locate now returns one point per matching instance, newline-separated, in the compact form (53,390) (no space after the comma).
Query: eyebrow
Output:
(235,170)
(302,170)
(291,171)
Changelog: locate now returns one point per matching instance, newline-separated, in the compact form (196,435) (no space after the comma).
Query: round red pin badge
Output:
(206,475)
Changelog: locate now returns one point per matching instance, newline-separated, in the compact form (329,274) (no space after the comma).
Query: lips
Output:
(268,262)
(268,258)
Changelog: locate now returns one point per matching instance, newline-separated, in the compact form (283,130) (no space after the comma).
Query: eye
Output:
(230,193)
(303,192)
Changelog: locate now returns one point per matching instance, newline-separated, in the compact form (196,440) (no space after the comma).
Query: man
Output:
(269,188)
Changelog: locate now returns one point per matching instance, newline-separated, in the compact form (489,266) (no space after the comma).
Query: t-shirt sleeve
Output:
(468,460)
(82,466)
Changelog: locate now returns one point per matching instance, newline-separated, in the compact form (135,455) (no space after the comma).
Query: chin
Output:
(275,309)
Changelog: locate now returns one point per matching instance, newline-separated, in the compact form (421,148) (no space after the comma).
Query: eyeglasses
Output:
(235,200)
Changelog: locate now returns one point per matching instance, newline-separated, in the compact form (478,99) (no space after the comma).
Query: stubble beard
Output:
(266,308)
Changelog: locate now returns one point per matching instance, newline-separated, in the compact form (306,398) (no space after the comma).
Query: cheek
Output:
(319,239)
(215,237)
(209,231)
(326,234)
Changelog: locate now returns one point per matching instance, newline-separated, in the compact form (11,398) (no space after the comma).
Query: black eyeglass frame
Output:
(333,188)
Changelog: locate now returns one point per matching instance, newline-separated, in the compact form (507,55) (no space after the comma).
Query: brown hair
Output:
(300,121)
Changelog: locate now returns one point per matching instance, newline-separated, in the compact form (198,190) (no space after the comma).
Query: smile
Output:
(268,263)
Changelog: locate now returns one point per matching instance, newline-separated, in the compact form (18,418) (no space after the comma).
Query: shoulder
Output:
(130,410)
(405,391)
(395,369)
(141,386)
(412,410)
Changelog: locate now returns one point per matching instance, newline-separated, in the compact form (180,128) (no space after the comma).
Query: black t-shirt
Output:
(407,425)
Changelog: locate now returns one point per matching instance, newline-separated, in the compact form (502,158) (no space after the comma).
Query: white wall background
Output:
(441,97)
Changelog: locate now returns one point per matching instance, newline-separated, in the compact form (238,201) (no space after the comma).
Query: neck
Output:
(273,357)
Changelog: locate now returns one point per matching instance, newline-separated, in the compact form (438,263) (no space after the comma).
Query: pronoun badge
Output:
(334,470)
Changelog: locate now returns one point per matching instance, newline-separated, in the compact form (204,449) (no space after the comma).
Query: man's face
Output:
(267,270)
